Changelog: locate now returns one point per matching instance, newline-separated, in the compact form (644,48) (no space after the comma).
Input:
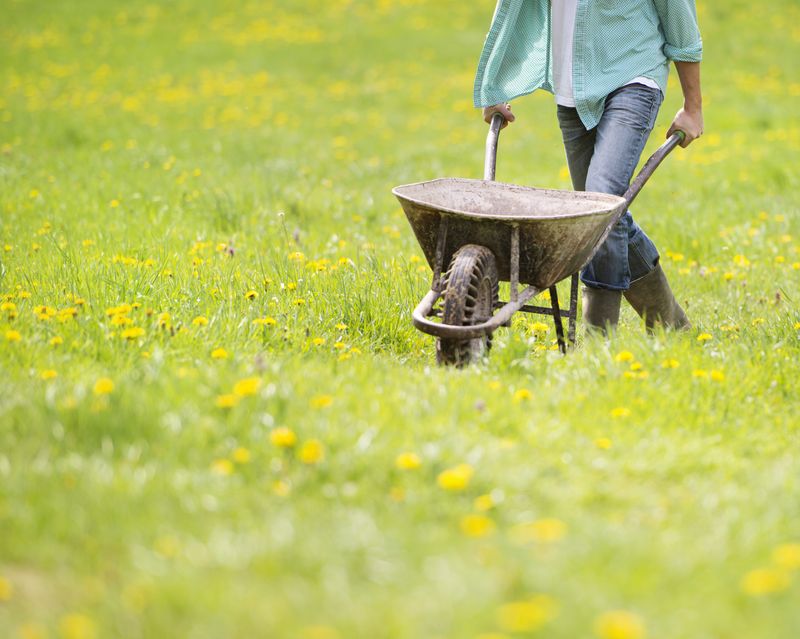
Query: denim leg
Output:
(627,254)
(578,143)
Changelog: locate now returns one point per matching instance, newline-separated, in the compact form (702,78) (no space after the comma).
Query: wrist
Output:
(693,106)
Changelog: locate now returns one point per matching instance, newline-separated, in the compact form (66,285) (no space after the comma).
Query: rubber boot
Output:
(601,310)
(652,298)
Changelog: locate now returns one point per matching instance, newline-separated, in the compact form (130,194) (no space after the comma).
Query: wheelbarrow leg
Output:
(573,308)
(562,345)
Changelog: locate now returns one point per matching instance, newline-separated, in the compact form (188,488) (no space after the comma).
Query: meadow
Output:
(217,420)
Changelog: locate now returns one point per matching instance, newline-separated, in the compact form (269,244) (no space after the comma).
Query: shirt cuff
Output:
(692,53)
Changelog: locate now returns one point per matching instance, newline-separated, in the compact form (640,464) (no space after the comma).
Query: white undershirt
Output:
(563,20)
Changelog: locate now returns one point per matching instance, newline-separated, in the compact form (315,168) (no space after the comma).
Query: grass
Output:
(207,186)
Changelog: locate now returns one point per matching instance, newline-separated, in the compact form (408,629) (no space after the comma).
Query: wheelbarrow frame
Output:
(519,298)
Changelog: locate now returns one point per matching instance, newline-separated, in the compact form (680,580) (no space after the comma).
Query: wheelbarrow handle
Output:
(652,164)
(490,163)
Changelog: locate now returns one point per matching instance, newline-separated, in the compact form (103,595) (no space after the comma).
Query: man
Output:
(607,63)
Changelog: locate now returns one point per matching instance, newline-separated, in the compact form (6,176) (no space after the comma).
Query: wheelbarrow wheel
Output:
(470,296)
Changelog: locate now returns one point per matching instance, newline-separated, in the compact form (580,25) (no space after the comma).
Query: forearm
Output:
(689,75)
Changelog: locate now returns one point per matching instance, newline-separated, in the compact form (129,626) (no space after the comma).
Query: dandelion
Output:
(765,581)
(407,461)
(228,400)
(56,341)
(265,321)
(222,467)
(619,624)
(624,356)
(321,401)
(312,452)
(8,307)
(163,320)
(341,327)
(670,363)
(251,295)
(13,336)
(246,387)
(282,437)
(527,615)
(704,337)
(297,256)
(318,341)
(477,526)
(482,503)
(77,626)
(699,373)
(522,395)
(546,531)
(121,320)
(103,386)
(299,301)
(787,556)
(539,328)
(241,455)
(455,478)
(132,333)
(604,443)
(6,589)
(620,412)
(200,321)
(219,353)
(717,375)
(48,374)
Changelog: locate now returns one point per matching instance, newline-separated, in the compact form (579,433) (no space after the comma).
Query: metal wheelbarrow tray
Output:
(488,232)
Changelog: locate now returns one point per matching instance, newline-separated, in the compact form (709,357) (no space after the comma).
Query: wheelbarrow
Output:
(488,232)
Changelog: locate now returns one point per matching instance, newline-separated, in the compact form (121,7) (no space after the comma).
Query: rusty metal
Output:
(538,236)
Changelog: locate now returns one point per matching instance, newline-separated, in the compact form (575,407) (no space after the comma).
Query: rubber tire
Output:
(470,296)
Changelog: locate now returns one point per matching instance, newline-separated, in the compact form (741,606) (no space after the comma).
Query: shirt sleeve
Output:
(679,21)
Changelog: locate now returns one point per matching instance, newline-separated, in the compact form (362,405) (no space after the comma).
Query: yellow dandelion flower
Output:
(624,356)
(620,411)
(670,363)
(219,353)
(6,589)
(13,336)
(717,375)
(522,395)
(312,452)
(48,374)
(77,626)
(163,320)
(318,341)
(699,373)
(8,307)
(200,321)
(455,478)
(527,615)
(539,327)
(407,461)
(247,387)
(340,346)
(341,327)
(282,437)
(241,455)
(704,337)
(787,556)
(321,401)
(482,503)
(222,467)
(251,295)
(132,333)
(299,301)
(619,624)
(765,581)
(477,525)
(297,256)
(103,386)
(603,443)
(228,400)
(545,531)
(265,321)
(56,341)
(121,320)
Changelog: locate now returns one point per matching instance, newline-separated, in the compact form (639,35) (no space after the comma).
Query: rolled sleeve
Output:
(681,32)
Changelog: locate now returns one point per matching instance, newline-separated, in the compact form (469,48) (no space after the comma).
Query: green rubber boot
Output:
(652,298)
(601,310)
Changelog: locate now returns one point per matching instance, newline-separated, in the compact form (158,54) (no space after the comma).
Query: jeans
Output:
(603,159)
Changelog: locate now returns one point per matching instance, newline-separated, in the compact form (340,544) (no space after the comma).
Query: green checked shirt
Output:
(614,42)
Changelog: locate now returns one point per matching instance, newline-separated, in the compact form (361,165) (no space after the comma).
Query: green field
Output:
(217,420)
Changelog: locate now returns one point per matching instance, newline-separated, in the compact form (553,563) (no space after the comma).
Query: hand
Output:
(504,109)
(690,122)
